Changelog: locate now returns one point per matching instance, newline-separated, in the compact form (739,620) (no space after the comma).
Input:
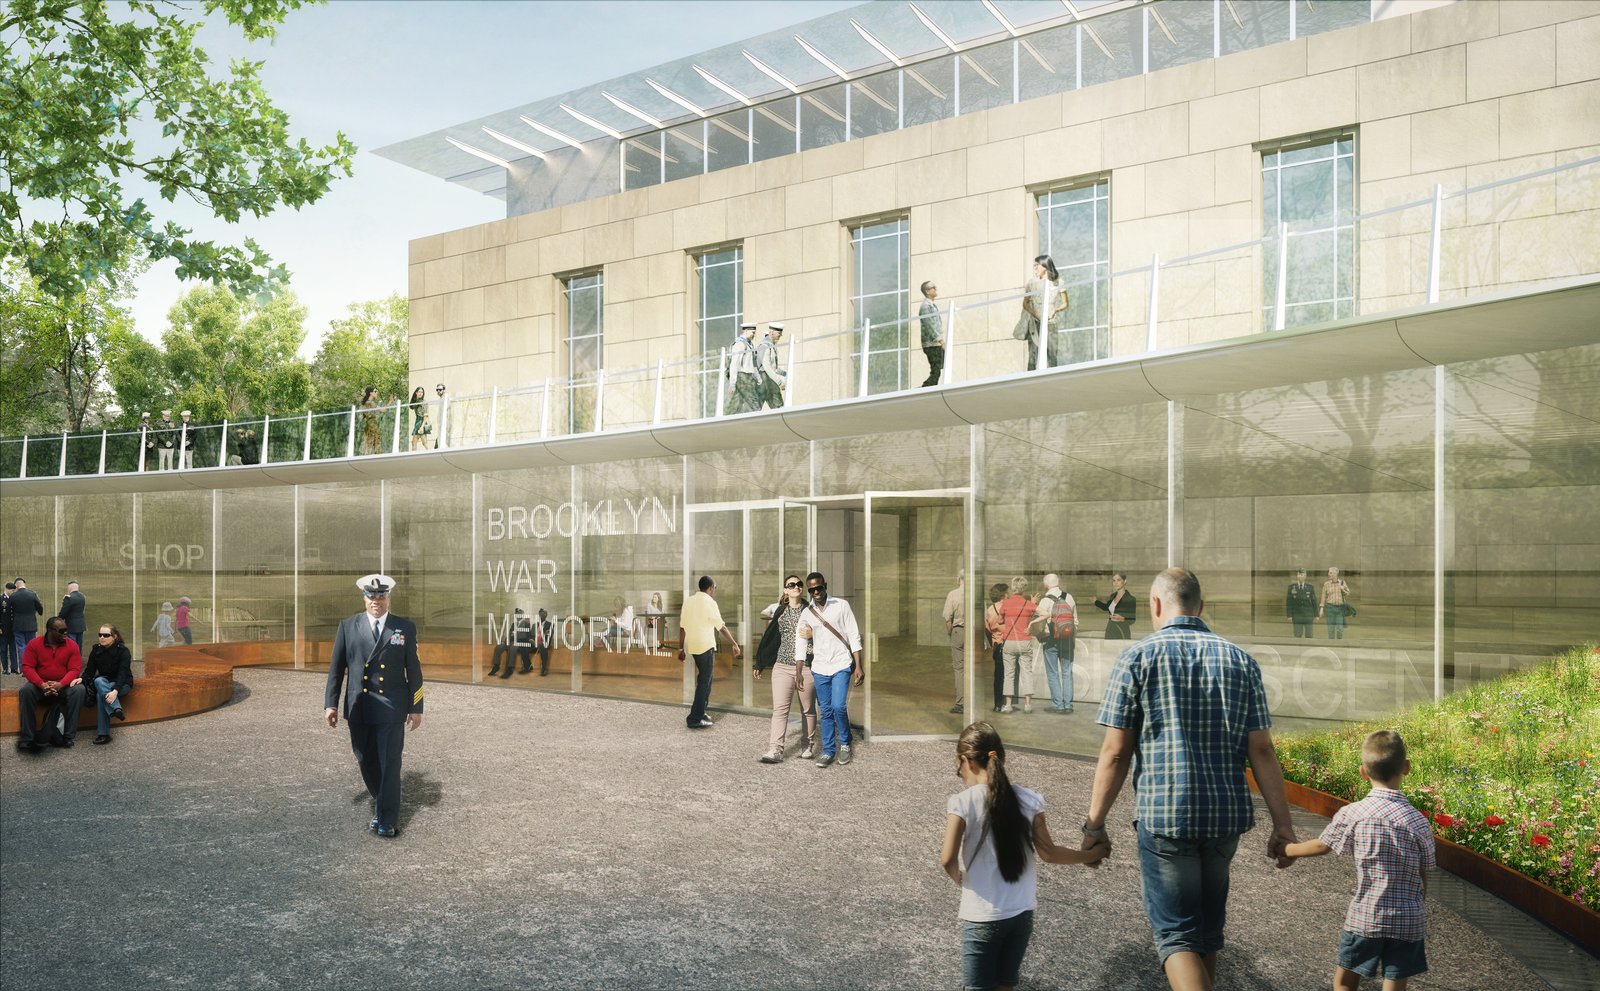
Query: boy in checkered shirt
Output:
(1393,845)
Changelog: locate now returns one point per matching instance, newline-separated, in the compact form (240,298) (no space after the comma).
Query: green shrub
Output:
(1508,768)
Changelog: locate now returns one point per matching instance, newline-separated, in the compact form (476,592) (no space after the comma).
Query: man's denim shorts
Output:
(1378,956)
(1186,891)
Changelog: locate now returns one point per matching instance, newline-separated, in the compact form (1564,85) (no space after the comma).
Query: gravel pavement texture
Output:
(553,841)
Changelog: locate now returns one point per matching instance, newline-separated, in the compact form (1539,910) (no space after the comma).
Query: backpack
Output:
(1058,625)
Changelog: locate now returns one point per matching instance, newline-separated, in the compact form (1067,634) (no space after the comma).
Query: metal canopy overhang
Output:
(1561,317)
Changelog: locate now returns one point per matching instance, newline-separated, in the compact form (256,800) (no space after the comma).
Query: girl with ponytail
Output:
(993,832)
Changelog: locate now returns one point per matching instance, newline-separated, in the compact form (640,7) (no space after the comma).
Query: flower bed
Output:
(1508,769)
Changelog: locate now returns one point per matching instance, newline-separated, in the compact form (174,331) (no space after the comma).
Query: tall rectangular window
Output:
(1311,186)
(1075,231)
(880,299)
(585,334)
(719,278)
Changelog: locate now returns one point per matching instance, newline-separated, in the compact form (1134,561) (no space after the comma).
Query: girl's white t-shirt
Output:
(986,896)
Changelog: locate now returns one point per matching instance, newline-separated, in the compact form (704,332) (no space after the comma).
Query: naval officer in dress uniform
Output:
(378,650)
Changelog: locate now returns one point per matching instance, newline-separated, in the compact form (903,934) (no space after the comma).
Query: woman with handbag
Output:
(371,442)
(1042,301)
(421,429)
(1334,604)
(108,671)
(789,676)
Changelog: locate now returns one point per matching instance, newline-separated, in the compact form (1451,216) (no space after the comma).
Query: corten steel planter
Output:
(1578,923)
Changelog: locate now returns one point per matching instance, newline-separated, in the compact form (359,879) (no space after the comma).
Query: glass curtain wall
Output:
(1521,486)
(719,276)
(1243,487)
(1075,231)
(880,301)
(1311,187)
(585,310)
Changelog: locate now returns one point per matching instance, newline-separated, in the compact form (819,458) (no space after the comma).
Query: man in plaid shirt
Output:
(1185,710)
(1392,844)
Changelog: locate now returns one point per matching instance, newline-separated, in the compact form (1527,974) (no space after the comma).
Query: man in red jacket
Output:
(51,663)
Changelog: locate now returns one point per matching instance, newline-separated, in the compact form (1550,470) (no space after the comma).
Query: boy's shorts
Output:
(1378,956)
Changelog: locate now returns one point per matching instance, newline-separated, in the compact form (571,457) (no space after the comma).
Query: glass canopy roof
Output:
(869,37)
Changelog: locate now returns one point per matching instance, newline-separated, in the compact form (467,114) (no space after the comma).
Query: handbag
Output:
(1349,610)
(1024,328)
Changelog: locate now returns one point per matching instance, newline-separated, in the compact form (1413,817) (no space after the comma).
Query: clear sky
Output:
(382,71)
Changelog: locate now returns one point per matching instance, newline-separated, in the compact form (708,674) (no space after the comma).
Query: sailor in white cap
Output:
(382,647)
(773,377)
(746,397)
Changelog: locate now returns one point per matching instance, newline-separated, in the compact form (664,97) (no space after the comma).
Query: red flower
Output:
(1493,821)
(1540,840)
(1448,821)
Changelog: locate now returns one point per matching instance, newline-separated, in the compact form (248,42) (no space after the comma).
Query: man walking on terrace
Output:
(382,648)
(1187,709)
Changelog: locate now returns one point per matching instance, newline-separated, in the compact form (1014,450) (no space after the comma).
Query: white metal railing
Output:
(841,365)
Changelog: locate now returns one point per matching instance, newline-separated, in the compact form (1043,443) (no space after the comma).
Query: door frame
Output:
(869,643)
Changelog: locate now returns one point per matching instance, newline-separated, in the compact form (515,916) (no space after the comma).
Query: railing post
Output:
(222,446)
(722,380)
(788,374)
(544,412)
(444,422)
(1283,277)
(1155,298)
(63,470)
(24,472)
(599,399)
(305,454)
(866,343)
(144,440)
(655,414)
(266,432)
(949,345)
(1434,243)
(395,448)
(102,470)
(350,438)
(183,447)
(1040,357)
(494,410)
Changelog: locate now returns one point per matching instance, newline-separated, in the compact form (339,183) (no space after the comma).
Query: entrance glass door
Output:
(916,543)
(747,549)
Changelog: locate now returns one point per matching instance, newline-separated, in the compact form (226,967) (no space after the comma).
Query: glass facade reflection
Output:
(1458,504)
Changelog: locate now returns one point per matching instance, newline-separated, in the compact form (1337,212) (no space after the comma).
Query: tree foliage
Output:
(53,360)
(221,357)
(366,348)
(79,79)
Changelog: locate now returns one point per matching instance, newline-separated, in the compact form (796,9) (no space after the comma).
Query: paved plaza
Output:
(558,841)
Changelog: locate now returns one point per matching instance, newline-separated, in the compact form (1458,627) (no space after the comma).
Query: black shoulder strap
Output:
(814,611)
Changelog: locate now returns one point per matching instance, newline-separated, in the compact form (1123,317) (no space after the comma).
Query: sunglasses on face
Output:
(106,635)
(791,584)
(820,587)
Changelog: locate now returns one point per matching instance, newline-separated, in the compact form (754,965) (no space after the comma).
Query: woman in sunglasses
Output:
(109,672)
(789,675)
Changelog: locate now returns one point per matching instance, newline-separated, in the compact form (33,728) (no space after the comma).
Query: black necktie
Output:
(377,631)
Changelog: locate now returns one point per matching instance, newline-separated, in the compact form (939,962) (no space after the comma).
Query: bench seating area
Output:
(177,681)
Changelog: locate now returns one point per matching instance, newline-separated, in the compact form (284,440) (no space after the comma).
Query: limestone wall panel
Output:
(1578,50)
(1148,136)
(1413,83)
(1314,103)
(1373,42)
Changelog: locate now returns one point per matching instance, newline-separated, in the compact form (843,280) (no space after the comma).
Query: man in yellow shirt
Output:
(700,622)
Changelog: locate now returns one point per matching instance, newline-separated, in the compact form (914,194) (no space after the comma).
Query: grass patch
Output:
(1508,768)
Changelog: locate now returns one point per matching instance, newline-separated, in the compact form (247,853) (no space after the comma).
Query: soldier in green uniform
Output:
(1300,604)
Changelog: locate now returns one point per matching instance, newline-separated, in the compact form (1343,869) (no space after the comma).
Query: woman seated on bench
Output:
(109,672)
